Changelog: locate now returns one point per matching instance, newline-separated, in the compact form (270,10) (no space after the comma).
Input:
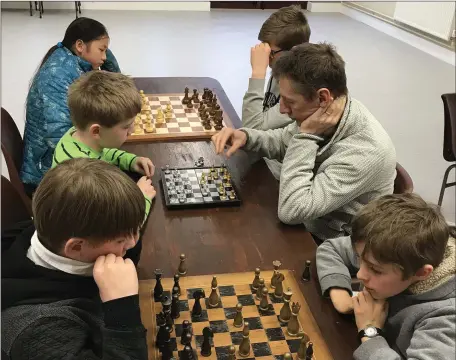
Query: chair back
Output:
(449,134)
(13,208)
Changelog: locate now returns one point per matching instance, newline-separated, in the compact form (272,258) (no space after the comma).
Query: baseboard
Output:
(112,5)
(324,6)
(428,47)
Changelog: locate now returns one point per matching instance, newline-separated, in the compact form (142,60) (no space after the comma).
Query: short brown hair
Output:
(86,198)
(311,67)
(104,98)
(286,28)
(402,229)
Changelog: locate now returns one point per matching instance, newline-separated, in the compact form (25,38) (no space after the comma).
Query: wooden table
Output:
(226,240)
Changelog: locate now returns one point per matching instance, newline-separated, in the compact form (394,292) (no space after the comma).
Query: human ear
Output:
(424,272)
(73,248)
(324,97)
(79,46)
(95,130)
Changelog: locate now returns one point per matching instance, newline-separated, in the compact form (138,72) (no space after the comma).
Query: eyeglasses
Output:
(273,52)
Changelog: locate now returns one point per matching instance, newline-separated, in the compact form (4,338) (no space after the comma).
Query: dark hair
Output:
(311,67)
(286,28)
(402,229)
(86,198)
(84,29)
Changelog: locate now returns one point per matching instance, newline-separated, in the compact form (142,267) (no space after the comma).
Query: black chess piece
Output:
(187,353)
(162,331)
(309,351)
(185,330)
(158,289)
(306,273)
(207,125)
(206,345)
(205,93)
(166,305)
(166,351)
(186,97)
(197,309)
(176,283)
(175,309)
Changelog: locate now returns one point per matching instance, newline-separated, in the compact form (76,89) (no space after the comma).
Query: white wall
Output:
(383,8)
(112,5)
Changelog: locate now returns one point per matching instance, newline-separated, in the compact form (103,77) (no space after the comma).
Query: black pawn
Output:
(176,284)
(187,353)
(167,352)
(166,304)
(175,309)
(197,309)
(187,340)
(306,272)
(309,351)
(206,346)
(185,330)
(158,289)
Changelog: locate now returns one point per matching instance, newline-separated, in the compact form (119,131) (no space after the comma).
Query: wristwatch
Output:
(370,332)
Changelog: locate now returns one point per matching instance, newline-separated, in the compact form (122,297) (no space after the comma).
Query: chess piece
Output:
(159,116)
(185,330)
(287,356)
(201,109)
(162,333)
(231,353)
(138,119)
(278,292)
(244,347)
(150,128)
(276,265)
(141,92)
(188,353)
(260,289)
(197,309)
(206,345)
(207,126)
(182,270)
(309,351)
(218,126)
(158,289)
(175,306)
(186,97)
(138,129)
(187,340)
(214,299)
(285,312)
(238,319)
(303,348)
(264,304)
(306,273)
(165,349)
(176,283)
(190,104)
(205,93)
(256,280)
(195,96)
(293,324)
(166,305)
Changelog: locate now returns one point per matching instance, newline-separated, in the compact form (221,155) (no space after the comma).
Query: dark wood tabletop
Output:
(230,239)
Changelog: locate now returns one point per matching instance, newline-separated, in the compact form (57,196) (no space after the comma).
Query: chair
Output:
(12,149)
(13,208)
(403,183)
(449,140)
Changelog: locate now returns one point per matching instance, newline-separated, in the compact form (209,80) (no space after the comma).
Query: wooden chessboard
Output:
(185,124)
(268,337)
(182,188)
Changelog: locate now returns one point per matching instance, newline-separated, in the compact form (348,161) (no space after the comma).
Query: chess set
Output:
(179,117)
(255,315)
(199,186)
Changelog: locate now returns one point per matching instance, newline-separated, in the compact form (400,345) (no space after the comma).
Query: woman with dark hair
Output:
(84,48)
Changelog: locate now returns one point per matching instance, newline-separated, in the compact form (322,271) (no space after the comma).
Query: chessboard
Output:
(198,187)
(269,339)
(168,117)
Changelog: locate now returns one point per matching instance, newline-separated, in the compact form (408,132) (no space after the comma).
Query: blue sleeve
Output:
(111,63)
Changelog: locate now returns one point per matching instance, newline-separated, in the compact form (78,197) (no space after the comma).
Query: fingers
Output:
(222,140)
(99,262)
(236,145)
(110,258)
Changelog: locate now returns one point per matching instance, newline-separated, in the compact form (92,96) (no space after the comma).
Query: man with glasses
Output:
(284,29)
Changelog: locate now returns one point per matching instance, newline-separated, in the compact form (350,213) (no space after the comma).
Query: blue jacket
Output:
(47,113)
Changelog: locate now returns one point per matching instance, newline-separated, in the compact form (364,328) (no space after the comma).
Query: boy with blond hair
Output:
(67,291)
(103,107)
(402,253)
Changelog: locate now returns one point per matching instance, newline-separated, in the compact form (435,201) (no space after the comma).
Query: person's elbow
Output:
(289,214)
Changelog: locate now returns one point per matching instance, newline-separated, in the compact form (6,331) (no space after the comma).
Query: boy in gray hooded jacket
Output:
(402,253)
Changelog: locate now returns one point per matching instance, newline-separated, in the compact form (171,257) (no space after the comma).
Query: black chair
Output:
(13,208)
(449,140)
(39,7)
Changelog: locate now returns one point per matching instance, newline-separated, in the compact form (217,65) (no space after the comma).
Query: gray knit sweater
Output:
(421,321)
(324,183)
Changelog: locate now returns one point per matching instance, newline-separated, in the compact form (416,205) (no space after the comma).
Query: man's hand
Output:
(115,277)
(144,166)
(145,184)
(259,59)
(369,311)
(322,121)
(341,300)
(235,138)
